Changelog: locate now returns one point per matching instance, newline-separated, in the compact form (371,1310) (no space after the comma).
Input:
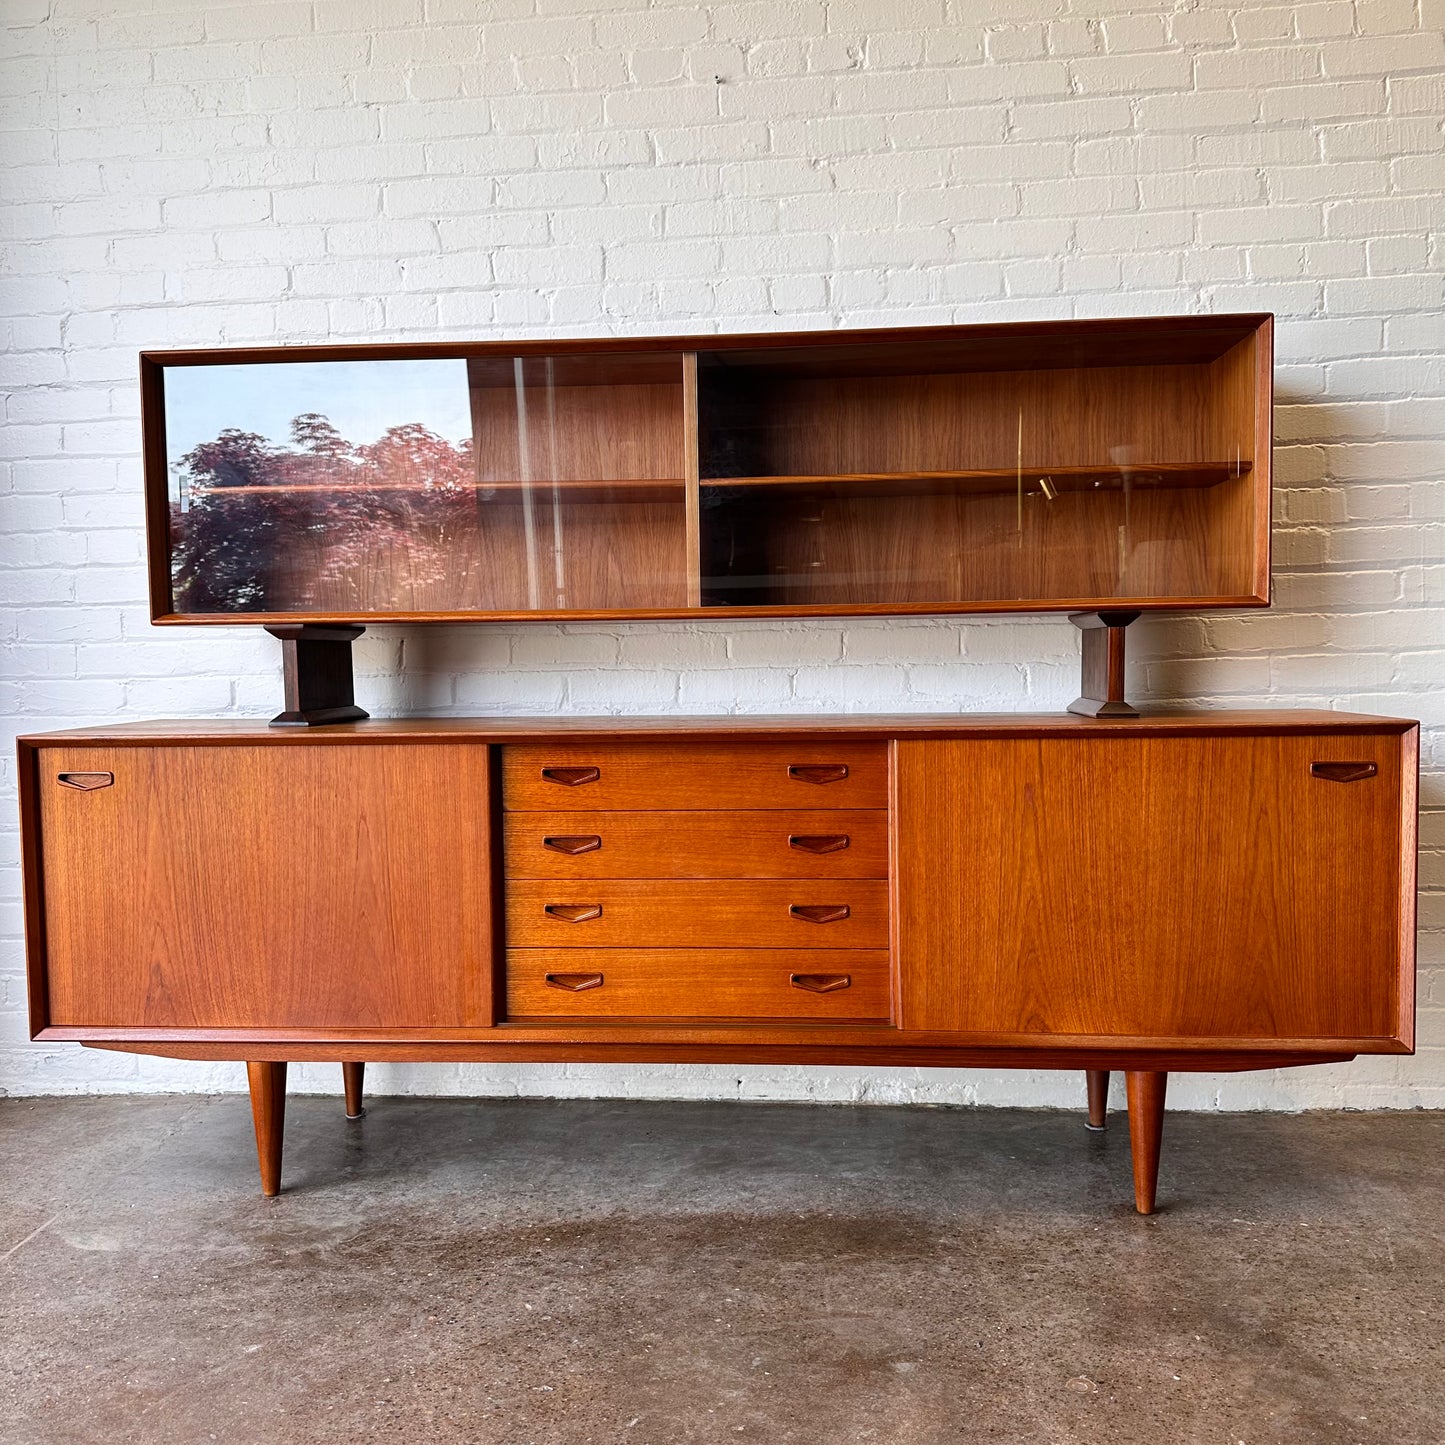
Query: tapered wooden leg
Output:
(1146,1129)
(351,1075)
(268,1109)
(1098,1097)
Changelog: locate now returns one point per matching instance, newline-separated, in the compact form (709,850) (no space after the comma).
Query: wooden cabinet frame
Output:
(912,1037)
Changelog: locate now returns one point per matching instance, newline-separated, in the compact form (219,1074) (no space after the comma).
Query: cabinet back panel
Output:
(254,887)
(579,433)
(1182,887)
(1085,416)
(1184,542)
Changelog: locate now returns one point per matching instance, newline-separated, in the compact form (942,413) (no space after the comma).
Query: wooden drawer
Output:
(778,843)
(623,913)
(843,984)
(694,776)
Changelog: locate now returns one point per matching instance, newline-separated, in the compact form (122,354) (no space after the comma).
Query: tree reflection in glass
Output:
(322,522)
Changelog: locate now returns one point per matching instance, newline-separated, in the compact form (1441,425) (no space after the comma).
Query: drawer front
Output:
(622,913)
(780,843)
(840,984)
(694,777)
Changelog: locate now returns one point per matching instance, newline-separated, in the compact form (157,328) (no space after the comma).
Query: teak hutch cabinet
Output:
(1061,467)
(1198,891)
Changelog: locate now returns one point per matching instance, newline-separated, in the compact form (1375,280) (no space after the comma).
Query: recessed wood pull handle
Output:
(573,844)
(818,772)
(820,982)
(573,912)
(573,982)
(86,782)
(819,842)
(571,777)
(1343,772)
(820,912)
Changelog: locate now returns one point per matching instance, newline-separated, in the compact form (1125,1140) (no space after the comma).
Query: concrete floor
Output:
(537,1273)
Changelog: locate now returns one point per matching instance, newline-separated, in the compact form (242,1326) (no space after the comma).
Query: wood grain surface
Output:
(664,777)
(621,1041)
(715,983)
(1204,887)
(598,433)
(1059,843)
(235,886)
(758,843)
(731,913)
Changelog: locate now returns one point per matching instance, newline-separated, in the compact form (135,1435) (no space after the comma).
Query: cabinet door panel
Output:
(257,887)
(1195,887)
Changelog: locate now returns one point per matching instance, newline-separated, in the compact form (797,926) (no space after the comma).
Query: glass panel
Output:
(859,478)
(440,485)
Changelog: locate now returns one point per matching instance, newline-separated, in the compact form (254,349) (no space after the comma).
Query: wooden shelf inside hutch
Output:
(1031,479)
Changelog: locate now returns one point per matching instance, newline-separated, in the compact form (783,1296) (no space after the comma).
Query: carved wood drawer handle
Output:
(573,844)
(573,982)
(1343,772)
(818,772)
(86,782)
(819,842)
(571,777)
(820,982)
(820,912)
(573,912)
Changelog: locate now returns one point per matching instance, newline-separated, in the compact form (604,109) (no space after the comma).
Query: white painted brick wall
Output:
(183,173)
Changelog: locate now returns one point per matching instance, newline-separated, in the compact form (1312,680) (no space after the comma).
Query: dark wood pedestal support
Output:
(316,668)
(1102,693)
(1098,1098)
(268,1109)
(352,1075)
(1146,1131)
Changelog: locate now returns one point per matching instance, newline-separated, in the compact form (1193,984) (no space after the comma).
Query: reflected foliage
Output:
(313,525)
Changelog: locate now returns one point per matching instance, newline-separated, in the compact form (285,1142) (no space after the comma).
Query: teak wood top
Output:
(863,726)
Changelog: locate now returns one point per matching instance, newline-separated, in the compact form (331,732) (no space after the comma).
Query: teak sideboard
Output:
(1194,892)
(1100,892)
